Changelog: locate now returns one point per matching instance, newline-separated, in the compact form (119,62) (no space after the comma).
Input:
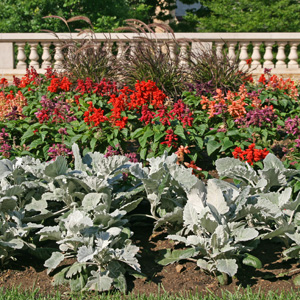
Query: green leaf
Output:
(29,133)
(143,139)
(35,144)
(252,261)
(143,153)
(93,143)
(212,146)
(226,143)
(137,133)
(296,280)
(75,138)
(180,131)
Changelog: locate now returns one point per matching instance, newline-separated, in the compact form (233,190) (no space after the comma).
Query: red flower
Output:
(251,154)
(249,61)
(170,138)
(262,79)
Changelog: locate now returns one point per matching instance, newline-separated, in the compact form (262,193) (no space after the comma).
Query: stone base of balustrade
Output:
(293,73)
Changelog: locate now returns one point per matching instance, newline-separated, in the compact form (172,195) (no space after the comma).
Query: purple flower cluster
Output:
(4,146)
(257,117)
(56,110)
(110,151)
(202,88)
(292,125)
(59,150)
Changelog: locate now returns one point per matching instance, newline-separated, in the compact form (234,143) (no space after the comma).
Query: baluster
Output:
(46,57)
(58,57)
(21,57)
(34,57)
(132,49)
(183,55)
(268,56)
(121,51)
(243,55)
(172,51)
(219,49)
(108,50)
(256,56)
(281,55)
(231,52)
(293,56)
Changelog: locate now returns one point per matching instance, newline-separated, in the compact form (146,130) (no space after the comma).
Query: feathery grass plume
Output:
(216,69)
(153,59)
(85,57)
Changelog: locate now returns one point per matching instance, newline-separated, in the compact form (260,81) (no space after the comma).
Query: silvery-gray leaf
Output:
(128,207)
(272,162)
(197,196)
(37,206)
(138,171)
(8,203)
(13,243)
(177,238)
(207,221)
(290,206)
(114,231)
(203,264)
(173,217)
(292,252)
(215,197)
(294,236)
(99,282)
(274,177)
(228,266)
(79,165)
(91,200)
(56,168)
(184,177)
(102,240)
(194,240)
(55,259)
(234,168)
(282,230)
(220,237)
(85,254)
(128,256)
(245,234)
(74,269)
(271,209)
(6,168)
(50,233)
(76,221)
(190,217)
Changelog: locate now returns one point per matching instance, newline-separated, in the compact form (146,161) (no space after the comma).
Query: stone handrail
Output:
(14,58)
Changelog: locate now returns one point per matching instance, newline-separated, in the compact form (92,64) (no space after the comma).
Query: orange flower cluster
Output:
(274,82)
(233,103)
(11,102)
(251,154)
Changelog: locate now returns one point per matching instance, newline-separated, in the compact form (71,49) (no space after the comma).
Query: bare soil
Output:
(29,273)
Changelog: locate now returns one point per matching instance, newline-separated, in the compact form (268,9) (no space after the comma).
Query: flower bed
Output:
(81,158)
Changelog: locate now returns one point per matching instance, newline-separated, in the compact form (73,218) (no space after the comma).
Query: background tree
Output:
(27,16)
(243,16)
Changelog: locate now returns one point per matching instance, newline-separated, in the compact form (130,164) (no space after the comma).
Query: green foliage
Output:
(27,16)
(244,16)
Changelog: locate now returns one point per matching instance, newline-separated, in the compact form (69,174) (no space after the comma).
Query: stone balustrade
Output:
(278,51)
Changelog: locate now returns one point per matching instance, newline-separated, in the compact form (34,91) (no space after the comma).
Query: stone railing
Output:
(277,51)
